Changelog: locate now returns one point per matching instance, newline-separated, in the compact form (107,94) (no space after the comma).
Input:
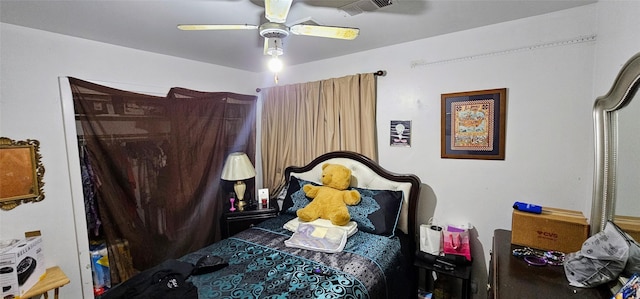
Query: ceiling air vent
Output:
(361,6)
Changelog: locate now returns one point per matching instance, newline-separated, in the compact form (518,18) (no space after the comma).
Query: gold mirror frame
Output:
(21,172)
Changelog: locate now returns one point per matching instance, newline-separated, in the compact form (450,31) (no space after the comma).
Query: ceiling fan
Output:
(275,30)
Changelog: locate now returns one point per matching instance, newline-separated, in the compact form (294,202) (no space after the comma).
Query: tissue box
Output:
(554,229)
(21,266)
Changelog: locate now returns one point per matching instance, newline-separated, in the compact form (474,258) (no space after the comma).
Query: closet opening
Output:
(150,169)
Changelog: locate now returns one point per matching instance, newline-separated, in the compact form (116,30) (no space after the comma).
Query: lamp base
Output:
(241,205)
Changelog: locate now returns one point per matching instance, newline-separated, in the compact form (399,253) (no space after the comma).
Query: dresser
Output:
(511,277)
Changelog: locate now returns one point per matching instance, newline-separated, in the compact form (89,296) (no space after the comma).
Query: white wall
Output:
(618,26)
(549,150)
(30,108)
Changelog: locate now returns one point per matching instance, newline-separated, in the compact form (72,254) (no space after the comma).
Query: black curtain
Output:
(152,168)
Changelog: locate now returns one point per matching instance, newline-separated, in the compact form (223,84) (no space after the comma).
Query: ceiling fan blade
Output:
(189,27)
(325,31)
(277,10)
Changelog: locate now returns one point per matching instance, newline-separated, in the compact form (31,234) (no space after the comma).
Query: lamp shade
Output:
(238,167)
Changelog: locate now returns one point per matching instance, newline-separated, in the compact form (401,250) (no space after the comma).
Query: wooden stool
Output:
(53,279)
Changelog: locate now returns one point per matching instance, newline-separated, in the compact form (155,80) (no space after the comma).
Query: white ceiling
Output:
(151,25)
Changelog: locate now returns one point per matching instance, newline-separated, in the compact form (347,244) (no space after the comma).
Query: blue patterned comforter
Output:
(260,266)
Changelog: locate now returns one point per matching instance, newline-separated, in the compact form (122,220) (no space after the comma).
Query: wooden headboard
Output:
(366,173)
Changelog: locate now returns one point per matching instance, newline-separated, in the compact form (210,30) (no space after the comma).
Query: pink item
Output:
(232,207)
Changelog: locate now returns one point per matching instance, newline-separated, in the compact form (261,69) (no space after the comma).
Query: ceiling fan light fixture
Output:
(273,46)
(275,64)
(273,30)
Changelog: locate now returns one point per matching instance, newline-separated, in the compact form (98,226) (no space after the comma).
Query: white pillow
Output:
(292,225)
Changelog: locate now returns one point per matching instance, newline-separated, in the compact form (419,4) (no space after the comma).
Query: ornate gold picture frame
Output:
(21,172)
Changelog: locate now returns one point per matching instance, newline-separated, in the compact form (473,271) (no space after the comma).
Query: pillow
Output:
(295,198)
(378,211)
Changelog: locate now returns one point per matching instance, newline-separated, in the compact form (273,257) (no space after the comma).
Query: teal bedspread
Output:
(261,266)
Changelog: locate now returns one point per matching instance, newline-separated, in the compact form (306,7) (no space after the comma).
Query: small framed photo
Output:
(473,124)
(400,133)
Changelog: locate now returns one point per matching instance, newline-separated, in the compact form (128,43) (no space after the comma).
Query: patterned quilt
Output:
(261,266)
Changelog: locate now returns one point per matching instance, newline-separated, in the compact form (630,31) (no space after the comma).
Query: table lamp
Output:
(238,168)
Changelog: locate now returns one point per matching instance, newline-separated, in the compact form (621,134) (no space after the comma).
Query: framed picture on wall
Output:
(400,134)
(473,124)
(21,172)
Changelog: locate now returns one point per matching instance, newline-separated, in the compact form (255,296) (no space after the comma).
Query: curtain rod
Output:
(380,73)
(377,73)
(124,137)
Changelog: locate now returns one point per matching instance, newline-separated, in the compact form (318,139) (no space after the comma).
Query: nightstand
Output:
(462,272)
(235,222)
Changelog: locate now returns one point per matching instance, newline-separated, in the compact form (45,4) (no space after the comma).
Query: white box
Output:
(21,266)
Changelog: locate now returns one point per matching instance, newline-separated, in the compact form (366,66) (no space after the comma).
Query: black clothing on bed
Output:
(164,281)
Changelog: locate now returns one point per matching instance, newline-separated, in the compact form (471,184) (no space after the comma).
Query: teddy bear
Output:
(331,199)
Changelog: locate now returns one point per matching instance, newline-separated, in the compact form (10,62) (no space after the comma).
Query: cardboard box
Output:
(21,266)
(629,224)
(554,229)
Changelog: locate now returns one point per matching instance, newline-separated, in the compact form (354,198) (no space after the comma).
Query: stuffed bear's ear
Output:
(325,165)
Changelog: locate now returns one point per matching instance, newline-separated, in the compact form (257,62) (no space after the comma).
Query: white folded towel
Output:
(318,238)
(351,227)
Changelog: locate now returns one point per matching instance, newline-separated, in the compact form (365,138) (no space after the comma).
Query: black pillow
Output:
(378,211)
(295,198)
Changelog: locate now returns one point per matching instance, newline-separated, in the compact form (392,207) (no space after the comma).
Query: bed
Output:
(376,262)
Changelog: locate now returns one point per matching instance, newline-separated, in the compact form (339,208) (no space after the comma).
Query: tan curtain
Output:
(303,121)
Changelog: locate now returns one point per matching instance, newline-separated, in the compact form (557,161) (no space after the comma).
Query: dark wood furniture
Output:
(511,277)
(460,272)
(235,222)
